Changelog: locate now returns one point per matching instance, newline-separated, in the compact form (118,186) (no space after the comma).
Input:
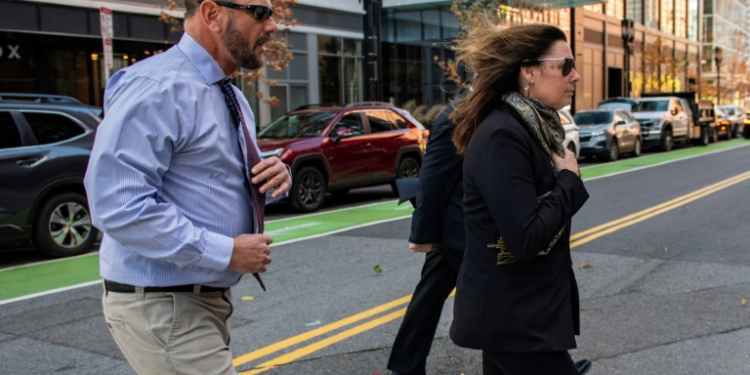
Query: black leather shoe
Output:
(583,366)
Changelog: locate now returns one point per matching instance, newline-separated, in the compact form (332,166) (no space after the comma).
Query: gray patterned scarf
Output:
(543,122)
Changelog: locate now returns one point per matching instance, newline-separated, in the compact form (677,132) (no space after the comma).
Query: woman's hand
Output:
(569,162)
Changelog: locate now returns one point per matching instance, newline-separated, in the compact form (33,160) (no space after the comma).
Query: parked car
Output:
(724,126)
(572,139)
(44,150)
(736,116)
(746,128)
(707,121)
(618,103)
(334,149)
(667,118)
(607,133)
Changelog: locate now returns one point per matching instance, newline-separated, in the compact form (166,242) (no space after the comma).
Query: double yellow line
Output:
(581,238)
(576,240)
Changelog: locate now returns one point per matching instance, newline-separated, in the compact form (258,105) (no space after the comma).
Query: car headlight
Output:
(597,133)
(275,152)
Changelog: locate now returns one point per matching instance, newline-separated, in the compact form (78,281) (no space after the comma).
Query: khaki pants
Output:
(172,333)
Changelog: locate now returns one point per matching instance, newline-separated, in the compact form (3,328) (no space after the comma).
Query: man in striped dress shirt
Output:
(169,184)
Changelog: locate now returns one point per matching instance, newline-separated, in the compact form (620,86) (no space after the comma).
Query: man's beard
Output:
(238,46)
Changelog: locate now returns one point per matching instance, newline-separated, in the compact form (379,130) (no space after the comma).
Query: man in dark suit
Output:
(437,228)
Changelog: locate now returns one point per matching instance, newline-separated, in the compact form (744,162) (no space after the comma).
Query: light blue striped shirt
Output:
(166,181)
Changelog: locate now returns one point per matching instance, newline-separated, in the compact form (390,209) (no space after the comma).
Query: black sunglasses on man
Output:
(259,12)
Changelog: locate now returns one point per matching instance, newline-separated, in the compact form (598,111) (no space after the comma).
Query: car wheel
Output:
(308,190)
(636,148)
(407,168)
(730,134)
(63,226)
(666,141)
(714,135)
(746,132)
(613,153)
(705,139)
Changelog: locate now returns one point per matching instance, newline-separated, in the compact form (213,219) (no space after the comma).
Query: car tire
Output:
(666,141)
(308,190)
(62,226)
(637,148)
(746,132)
(613,152)
(730,134)
(407,168)
(714,135)
(705,137)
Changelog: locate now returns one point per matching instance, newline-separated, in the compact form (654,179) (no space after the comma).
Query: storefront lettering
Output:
(12,52)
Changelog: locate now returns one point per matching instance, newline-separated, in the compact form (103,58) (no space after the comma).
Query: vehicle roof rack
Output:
(311,106)
(38,98)
(369,104)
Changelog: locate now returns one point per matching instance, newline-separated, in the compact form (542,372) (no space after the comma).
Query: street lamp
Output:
(628,36)
(718,55)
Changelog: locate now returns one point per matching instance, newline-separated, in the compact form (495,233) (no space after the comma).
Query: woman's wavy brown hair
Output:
(494,57)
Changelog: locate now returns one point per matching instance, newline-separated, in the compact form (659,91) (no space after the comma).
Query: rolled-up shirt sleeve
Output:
(133,151)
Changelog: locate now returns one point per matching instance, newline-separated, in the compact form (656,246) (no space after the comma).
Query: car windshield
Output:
(593,118)
(298,124)
(651,106)
(729,110)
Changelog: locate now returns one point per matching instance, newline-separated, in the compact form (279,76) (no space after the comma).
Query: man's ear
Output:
(212,16)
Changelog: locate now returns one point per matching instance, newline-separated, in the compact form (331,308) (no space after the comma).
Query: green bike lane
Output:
(69,273)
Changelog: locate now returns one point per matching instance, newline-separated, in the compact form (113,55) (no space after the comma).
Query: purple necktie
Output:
(259,199)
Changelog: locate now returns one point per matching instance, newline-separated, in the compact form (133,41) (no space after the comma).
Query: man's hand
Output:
(250,253)
(275,175)
(420,247)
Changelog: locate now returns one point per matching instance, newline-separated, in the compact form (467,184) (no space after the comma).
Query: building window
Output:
(340,69)
(651,13)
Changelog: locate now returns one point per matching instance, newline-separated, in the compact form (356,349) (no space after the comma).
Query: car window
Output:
(350,124)
(9,135)
(380,121)
(651,106)
(51,127)
(400,122)
(593,118)
(679,107)
(298,124)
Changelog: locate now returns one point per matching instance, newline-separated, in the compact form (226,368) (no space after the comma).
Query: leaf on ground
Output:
(248,298)
(586,265)
(685,207)
(743,303)
(644,261)
(377,269)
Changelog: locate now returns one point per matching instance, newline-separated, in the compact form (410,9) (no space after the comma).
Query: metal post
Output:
(372,50)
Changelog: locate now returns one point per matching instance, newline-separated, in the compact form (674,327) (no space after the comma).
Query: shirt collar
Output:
(200,58)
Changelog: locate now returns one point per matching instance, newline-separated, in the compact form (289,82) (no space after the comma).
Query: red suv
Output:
(334,149)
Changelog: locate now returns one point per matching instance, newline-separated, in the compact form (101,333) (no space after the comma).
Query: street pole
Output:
(718,57)
(373,86)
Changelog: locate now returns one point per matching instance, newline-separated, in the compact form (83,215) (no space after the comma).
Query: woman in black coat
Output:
(517,298)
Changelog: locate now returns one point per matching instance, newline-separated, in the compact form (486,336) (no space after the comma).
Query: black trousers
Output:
(539,363)
(414,338)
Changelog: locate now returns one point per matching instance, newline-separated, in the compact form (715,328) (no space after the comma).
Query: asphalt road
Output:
(660,294)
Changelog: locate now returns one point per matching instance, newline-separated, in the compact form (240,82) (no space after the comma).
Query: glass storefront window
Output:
(450,24)
(408,26)
(352,74)
(329,44)
(651,14)
(667,16)
(431,19)
(352,47)
(615,8)
(330,79)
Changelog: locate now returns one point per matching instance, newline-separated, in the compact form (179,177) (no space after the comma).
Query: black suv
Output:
(45,143)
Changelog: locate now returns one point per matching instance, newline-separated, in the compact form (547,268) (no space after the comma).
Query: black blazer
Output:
(439,215)
(513,200)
